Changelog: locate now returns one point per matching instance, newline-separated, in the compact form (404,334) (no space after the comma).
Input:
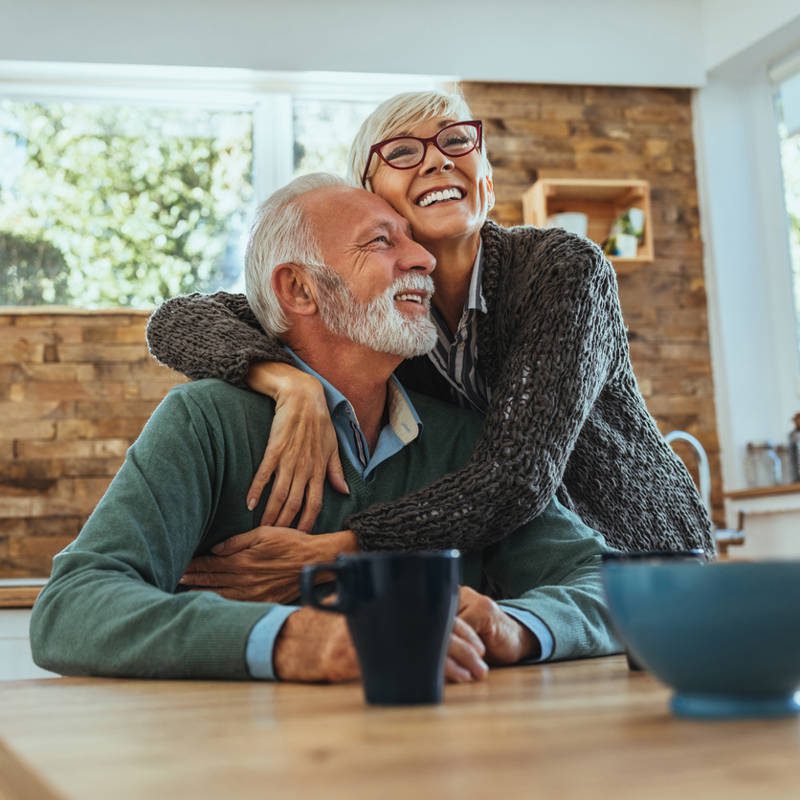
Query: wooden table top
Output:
(581,729)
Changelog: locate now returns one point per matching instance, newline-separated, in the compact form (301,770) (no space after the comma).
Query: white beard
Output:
(377,324)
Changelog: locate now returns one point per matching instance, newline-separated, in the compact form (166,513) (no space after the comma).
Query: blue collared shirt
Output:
(403,426)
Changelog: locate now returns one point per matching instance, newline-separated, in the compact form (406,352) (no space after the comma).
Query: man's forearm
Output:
(97,621)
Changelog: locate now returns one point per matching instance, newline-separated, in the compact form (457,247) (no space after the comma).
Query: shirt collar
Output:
(403,417)
(475,299)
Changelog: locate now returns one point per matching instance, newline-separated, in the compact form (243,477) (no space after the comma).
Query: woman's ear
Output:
(292,287)
(487,190)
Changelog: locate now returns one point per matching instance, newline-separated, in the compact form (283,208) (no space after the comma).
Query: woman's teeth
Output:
(435,197)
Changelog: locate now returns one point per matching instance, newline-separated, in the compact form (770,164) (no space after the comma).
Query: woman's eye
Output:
(401,151)
(456,141)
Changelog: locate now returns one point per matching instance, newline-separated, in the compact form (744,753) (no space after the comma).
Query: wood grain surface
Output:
(20,593)
(582,729)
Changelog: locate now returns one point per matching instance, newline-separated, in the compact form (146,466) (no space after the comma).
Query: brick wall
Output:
(76,388)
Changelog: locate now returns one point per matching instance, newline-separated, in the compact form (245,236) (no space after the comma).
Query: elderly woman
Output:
(530,335)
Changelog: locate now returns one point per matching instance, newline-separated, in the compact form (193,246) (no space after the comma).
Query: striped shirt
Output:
(455,355)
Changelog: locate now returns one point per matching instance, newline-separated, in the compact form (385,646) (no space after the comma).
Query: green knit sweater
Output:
(111,606)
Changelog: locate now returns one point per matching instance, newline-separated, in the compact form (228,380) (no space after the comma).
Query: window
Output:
(122,186)
(323,130)
(106,204)
(788,108)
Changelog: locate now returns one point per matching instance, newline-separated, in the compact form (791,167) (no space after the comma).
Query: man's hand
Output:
(506,640)
(465,655)
(315,646)
(264,564)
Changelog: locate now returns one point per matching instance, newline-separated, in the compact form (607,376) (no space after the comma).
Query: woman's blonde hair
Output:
(398,115)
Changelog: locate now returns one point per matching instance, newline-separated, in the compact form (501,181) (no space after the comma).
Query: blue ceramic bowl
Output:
(724,636)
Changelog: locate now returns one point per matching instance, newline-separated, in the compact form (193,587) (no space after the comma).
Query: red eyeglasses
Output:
(407,152)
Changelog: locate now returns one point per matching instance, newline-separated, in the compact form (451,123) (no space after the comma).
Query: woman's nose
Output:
(435,160)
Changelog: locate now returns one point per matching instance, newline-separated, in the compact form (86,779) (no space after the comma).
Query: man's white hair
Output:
(397,116)
(281,234)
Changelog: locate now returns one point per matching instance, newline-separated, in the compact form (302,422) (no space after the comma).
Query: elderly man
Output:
(336,269)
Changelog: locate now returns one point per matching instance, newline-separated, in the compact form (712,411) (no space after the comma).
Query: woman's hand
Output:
(302,447)
(264,564)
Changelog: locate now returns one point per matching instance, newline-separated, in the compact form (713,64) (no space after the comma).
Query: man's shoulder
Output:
(216,399)
(211,390)
(439,416)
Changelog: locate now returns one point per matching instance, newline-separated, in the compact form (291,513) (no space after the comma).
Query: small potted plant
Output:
(626,234)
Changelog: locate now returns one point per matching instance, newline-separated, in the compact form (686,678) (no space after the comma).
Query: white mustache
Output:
(408,283)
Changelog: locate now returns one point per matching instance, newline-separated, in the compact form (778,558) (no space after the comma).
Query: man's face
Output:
(377,291)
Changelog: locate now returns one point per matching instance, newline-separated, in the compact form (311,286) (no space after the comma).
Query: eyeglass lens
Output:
(454,140)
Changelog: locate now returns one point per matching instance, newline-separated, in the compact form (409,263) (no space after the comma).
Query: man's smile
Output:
(419,301)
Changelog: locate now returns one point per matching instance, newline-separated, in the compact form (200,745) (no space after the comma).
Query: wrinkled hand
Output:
(302,449)
(506,640)
(465,655)
(316,646)
(264,564)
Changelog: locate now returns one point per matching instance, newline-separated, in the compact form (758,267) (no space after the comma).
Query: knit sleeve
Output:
(211,336)
(564,334)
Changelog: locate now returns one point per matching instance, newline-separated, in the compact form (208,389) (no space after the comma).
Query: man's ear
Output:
(292,287)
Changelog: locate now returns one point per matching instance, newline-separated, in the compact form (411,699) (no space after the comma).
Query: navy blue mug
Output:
(400,609)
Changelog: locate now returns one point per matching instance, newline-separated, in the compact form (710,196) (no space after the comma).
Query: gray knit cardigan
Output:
(566,415)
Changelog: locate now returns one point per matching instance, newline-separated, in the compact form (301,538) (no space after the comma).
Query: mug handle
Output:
(313,595)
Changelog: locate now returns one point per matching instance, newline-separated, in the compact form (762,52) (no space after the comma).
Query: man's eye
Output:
(381,239)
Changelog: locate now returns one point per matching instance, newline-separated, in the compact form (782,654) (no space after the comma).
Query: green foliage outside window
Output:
(104,205)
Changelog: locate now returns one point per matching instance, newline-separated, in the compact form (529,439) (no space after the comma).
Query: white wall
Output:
(616,42)
(731,27)
(747,259)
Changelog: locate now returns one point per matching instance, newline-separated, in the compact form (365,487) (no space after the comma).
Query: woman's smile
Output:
(439,195)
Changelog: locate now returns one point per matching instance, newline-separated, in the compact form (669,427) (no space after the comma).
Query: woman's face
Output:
(409,190)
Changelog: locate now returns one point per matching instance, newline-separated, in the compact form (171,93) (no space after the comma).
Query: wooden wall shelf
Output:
(764,491)
(601,199)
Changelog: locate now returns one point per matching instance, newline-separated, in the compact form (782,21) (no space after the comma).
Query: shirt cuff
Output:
(536,627)
(261,642)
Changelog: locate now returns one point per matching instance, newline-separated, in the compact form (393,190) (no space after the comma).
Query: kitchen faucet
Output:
(722,537)
(702,462)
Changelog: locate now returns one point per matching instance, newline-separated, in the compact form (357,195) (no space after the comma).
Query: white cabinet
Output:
(769,518)
(15,652)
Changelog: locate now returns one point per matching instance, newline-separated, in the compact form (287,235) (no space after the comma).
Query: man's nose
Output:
(416,258)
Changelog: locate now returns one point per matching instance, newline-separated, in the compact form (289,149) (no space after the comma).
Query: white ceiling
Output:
(613,42)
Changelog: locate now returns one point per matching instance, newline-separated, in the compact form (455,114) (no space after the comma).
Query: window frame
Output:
(786,315)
